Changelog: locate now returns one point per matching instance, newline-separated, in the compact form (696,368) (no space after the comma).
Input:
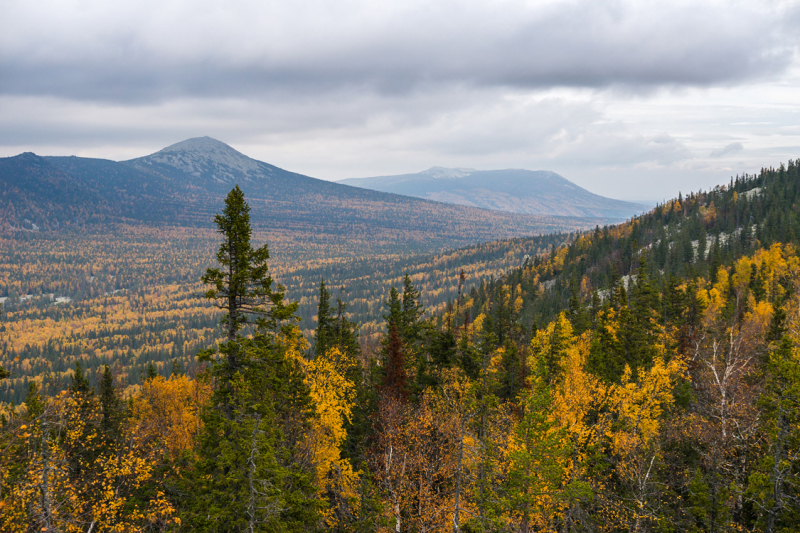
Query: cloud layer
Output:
(617,95)
(150,50)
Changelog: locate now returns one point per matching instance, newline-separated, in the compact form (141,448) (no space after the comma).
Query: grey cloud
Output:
(732,148)
(258,50)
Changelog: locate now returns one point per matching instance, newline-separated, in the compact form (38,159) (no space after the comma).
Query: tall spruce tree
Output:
(321,338)
(411,315)
(110,404)
(242,286)
(345,332)
(251,472)
(3,372)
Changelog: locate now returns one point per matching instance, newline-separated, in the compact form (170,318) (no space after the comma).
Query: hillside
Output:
(538,192)
(183,185)
(687,237)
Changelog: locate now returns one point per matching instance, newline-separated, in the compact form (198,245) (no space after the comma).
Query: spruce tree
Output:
(109,402)
(323,332)
(252,474)
(242,286)
(411,315)
(773,485)
(345,332)
(79,384)
(151,371)
(3,372)
(394,315)
(395,381)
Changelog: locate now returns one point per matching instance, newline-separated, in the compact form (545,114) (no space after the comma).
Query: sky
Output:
(632,100)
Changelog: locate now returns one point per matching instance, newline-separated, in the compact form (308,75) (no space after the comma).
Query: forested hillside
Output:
(641,377)
(100,261)
(688,237)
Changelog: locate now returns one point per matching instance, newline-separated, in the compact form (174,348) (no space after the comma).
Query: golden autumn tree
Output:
(333,397)
(58,486)
(577,395)
(636,411)
(166,414)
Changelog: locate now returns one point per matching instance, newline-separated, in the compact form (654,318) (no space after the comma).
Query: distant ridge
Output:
(533,192)
(184,184)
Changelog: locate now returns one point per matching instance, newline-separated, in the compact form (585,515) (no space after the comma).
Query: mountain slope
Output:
(538,192)
(185,184)
(685,238)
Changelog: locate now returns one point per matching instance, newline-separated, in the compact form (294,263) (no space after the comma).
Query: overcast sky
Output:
(633,100)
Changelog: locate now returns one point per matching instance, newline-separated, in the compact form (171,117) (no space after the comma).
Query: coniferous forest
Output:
(638,377)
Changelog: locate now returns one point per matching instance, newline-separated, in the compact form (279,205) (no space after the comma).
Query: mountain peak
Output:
(207,158)
(199,144)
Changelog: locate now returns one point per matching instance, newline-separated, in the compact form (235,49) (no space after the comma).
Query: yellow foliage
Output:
(715,298)
(638,406)
(637,409)
(578,393)
(477,324)
(167,413)
(333,395)
(102,495)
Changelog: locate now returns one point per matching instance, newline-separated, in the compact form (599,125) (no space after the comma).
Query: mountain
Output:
(185,184)
(214,166)
(539,192)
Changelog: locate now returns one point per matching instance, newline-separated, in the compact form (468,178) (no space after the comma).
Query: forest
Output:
(639,377)
(135,295)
